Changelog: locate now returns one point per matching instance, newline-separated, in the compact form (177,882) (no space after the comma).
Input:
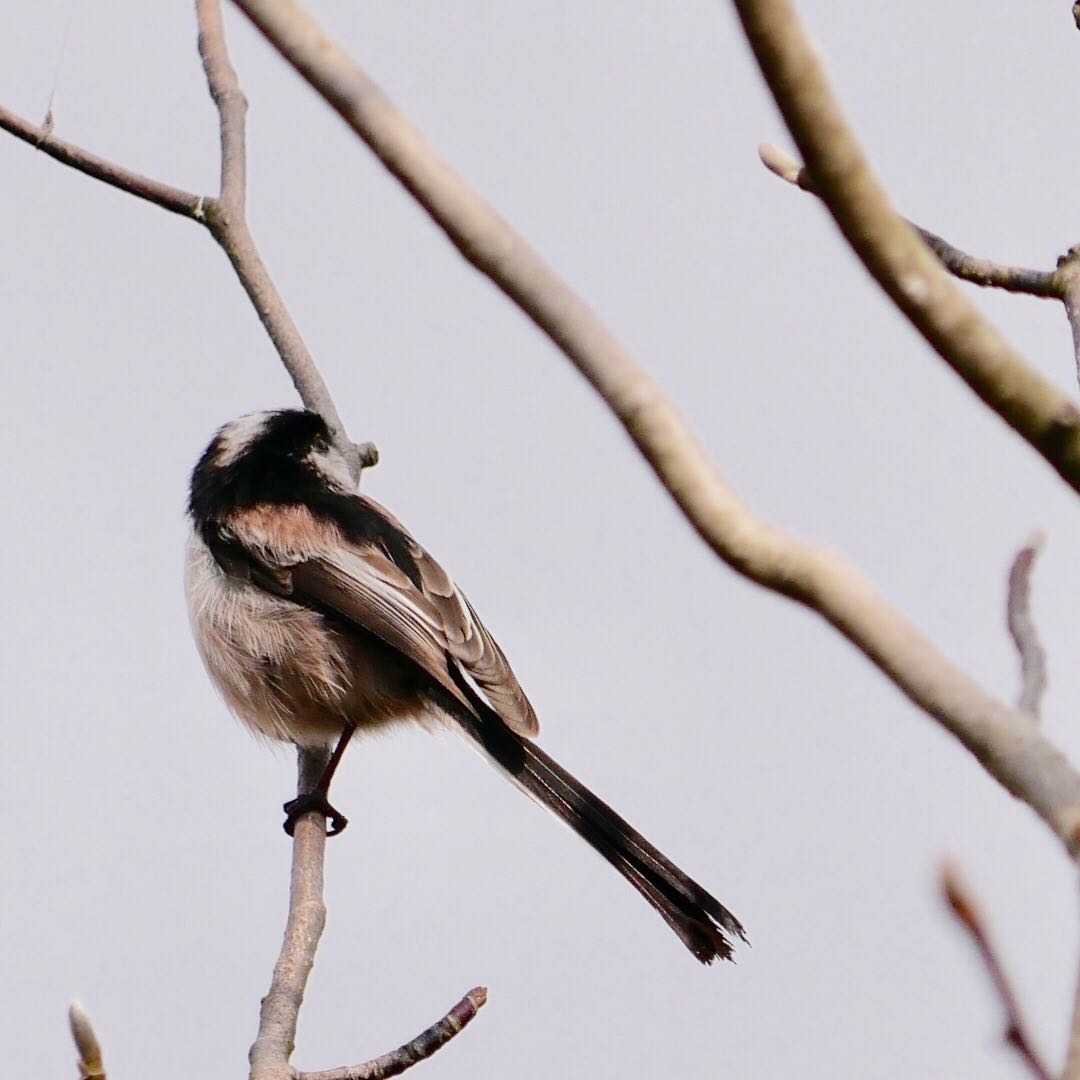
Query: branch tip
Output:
(959,899)
(782,164)
(91,1065)
(1015,1033)
(1022,628)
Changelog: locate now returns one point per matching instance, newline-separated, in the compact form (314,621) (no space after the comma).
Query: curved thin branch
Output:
(1045,284)
(167,197)
(413,1052)
(91,1065)
(1022,627)
(969,917)
(911,276)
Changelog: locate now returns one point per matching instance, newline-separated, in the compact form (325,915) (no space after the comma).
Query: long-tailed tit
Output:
(319,618)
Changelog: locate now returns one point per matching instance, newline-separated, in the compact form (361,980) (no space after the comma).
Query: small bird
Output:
(319,618)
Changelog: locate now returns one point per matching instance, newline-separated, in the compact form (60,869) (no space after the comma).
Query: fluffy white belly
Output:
(278,665)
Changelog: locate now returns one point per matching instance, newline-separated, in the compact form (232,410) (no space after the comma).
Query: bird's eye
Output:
(321,445)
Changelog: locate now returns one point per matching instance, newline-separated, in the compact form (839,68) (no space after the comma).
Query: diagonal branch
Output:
(1046,284)
(968,915)
(911,276)
(412,1053)
(1022,628)
(108,172)
(1003,739)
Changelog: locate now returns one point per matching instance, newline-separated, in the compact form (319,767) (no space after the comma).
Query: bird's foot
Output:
(313,801)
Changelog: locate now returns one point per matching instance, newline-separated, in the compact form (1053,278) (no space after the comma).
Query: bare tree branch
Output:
(412,1053)
(1045,284)
(900,263)
(1006,741)
(163,195)
(969,917)
(1022,627)
(91,1065)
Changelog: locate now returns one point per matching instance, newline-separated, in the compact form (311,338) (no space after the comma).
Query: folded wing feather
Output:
(361,583)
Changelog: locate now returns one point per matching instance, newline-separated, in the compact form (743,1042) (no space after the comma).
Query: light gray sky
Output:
(145,863)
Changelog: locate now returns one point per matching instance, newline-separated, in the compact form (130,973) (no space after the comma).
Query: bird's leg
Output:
(316,799)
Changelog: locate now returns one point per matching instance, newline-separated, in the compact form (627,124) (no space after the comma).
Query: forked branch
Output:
(222,215)
(1046,284)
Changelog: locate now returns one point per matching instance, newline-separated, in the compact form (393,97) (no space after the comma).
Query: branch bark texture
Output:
(278,1016)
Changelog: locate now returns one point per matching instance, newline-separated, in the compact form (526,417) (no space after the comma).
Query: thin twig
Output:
(91,1065)
(108,172)
(969,917)
(1003,739)
(413,1052)
(1045,284)
(1022,627)
(901,264)
(231,105)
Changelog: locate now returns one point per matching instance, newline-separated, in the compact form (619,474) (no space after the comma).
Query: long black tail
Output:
(699,919)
